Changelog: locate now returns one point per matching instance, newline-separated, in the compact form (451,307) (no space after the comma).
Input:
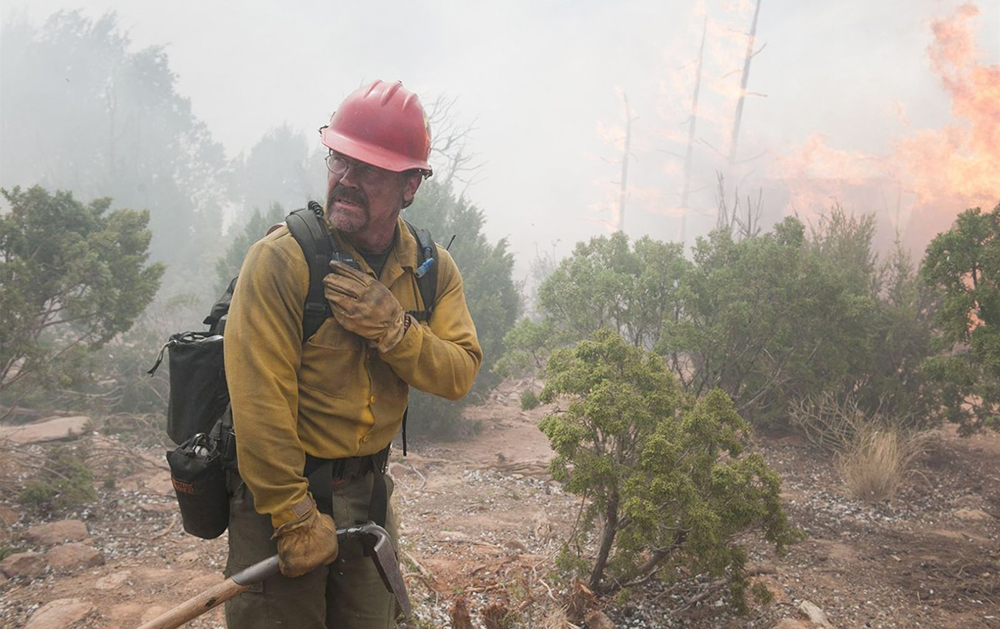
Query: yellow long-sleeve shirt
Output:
(333,396)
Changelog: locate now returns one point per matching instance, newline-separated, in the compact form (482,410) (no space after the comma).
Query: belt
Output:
(322,473)
(351,467)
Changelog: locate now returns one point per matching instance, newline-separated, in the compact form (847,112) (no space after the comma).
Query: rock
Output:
(790,623)
(599,620)
(73,556)
(60,614)
(152,613)
(968,501)
(191,556)
(3,579)
(972,515)
(125,615)
(8,516)
(57,532)
(455,536)
(52,429)
(28,565)
(815,615)
(113,581)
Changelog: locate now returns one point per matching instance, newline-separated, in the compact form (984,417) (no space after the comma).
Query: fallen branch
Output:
(416,564)
(423,478)
(167,530)
(710,589)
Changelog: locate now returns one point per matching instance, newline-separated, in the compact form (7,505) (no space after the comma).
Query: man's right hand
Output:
(307,542)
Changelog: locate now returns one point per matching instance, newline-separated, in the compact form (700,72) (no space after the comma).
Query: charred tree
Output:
(624,182)
(692,124)
(743,85)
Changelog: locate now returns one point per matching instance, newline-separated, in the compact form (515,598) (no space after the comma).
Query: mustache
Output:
(351,195)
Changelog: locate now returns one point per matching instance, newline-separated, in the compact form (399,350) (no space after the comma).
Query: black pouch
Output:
(198,393)
(199,479)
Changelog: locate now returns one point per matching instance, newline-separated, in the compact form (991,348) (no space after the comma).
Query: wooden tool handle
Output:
(196,605)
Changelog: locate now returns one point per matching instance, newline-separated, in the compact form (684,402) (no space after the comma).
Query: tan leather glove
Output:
(364,306)
(308,542)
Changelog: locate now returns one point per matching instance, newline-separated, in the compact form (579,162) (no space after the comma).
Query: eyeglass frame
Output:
(365,173)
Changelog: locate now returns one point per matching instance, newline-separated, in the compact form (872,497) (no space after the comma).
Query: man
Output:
(299,404)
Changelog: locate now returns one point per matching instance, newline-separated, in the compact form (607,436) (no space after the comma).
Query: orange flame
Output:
(941,171)
(959,165)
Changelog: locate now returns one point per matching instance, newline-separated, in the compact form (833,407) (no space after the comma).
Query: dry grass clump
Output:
(556,619)
(874,453)
(878,462)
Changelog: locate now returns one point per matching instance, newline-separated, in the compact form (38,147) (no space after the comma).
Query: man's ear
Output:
(410,187)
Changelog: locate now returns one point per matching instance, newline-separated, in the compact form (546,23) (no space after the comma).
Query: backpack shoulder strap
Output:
(308,227)
(427,272)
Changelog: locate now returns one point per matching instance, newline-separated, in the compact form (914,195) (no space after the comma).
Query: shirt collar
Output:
(403,254)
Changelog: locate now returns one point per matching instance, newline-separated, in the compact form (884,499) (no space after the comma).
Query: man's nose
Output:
(347,179)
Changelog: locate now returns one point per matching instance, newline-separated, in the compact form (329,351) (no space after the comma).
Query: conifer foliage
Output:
(667,477)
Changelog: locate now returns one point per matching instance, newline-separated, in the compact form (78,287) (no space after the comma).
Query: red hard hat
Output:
(384,125)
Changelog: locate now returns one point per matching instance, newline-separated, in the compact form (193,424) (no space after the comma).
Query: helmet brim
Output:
(369,154)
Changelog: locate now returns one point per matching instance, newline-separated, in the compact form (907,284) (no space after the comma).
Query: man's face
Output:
(364,198)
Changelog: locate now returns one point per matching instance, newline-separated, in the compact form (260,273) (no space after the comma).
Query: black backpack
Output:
(198,392)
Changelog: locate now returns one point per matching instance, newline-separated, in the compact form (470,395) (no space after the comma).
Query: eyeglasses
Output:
(365,173)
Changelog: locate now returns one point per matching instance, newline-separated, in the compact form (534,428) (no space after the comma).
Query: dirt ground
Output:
(482,522)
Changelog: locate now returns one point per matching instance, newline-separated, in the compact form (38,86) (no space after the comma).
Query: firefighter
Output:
(314,418)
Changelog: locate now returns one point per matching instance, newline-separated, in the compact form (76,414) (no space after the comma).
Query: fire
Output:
(940,172)
(957,166)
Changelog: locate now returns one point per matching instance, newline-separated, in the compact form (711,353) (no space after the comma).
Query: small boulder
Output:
(73,556)
(152,613)
(9,516)
(815,615)
(113,581)
(60,614)
(29,565)
(57,532)
(972,515)
(191,556)
(52,429)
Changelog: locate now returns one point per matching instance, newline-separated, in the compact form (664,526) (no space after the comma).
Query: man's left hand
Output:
(363,305)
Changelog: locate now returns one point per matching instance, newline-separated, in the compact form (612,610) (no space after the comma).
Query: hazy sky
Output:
(544,82)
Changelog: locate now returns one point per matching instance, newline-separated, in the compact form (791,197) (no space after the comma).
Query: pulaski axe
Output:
(382,554)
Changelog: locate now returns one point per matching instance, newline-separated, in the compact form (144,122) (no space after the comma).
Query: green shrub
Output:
(529,400)
(63,482)
(668,479)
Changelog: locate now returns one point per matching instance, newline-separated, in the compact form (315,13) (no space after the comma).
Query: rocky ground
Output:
(482,522)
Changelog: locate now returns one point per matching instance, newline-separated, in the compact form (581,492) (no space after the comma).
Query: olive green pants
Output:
(347,594)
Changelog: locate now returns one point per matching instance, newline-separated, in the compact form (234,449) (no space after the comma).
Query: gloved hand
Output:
(306,543)
(364,306)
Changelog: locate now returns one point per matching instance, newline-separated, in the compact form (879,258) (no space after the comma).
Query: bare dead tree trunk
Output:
(607,539)
(743,86)
(628,144)
(691,130)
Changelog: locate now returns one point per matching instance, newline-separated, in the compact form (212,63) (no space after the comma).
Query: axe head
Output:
(384,555)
